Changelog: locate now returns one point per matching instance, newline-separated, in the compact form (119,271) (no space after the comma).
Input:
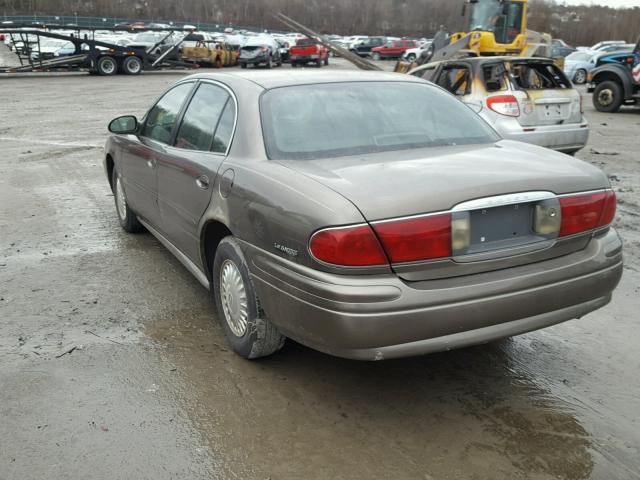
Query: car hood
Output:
(394,184)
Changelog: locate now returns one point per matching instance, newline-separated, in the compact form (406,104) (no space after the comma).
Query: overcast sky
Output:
(610,3)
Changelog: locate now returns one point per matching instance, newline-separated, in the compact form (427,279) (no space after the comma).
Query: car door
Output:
(140,153)
(187,170)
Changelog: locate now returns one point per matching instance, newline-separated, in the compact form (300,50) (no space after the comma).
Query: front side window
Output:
(162,117)
(307,122)
(201,118)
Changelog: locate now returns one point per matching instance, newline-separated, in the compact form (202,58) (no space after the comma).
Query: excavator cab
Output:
(496,27)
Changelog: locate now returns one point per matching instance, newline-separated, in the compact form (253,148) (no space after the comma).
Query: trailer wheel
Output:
(107,65)
(132,65)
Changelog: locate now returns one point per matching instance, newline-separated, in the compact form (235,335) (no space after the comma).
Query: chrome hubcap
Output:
(108,66)
(121,201)
(580,76)
(605,97)
(134,66)
(234,298)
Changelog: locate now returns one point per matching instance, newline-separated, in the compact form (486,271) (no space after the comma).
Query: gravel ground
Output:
(112,364)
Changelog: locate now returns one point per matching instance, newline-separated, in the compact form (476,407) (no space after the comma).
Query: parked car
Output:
(345,211)
(364,48)
(155,43)
(525,99)
(578,65)
(413,54)
(211,53)
(308,50)
(616,80)
(561,51)
(261,50)
(284,46)
(609,43)
(392,49)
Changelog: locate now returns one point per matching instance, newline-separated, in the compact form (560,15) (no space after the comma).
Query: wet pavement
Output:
(112,364)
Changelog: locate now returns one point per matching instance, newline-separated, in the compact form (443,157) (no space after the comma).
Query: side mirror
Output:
(125,124)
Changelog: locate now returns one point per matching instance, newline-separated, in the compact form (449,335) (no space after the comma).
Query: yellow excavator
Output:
(495,27)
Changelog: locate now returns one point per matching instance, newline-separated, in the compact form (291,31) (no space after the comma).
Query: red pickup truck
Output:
(307,50)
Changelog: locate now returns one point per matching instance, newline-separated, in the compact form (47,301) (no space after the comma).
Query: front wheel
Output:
(608,97)
(580,77)
(269,64)
(411,57)
(107,66)
(249,333)
(127,218)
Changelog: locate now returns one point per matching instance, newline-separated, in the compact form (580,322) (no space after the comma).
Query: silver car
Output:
(367,215)
(525,99)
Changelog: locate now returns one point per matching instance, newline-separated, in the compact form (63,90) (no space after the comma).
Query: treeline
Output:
(582,25)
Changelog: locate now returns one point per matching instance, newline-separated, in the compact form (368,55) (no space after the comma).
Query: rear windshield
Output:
(305,42)
(307,122)
(539,76)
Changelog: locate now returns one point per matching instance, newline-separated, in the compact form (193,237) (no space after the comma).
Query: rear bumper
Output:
(304,58)
(563,138)
(254,60)
(381,317)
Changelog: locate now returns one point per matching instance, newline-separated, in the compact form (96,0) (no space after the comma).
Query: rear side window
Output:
(162,117)
(308,122)
(222,137)
(539,76)
(455,79)
(495,78)
(427,73)
(201,118)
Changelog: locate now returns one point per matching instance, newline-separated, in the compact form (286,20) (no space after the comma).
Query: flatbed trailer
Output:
(95,56)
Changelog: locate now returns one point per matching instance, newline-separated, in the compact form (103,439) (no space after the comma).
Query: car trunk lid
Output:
(406,184)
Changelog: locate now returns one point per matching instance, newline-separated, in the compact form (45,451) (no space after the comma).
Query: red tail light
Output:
(416,239)
(355,246)
(581,213)
(504,105)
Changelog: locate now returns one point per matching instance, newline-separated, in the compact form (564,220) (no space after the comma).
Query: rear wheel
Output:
(132,66)
(411,57)
(326,60)
(107,66)
(608,97)
(580,77)
(376,56)
(249,333)
(127,218)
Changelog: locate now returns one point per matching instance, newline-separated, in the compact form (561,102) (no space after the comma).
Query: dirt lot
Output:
(112,364)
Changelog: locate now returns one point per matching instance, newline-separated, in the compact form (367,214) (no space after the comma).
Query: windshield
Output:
(579,57)
(146,37)
(307,122)
(504,19)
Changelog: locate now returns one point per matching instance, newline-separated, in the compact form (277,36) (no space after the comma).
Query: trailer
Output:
(95,56)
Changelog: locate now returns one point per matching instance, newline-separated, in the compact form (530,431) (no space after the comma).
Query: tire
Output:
(608,97)
(326,60)
(127,217)
(218,63)
(107,66)
(269,64)
(132,66)
(248,332)
(580,77)
(411,57)
(294,64)
(376,56)
(243,65)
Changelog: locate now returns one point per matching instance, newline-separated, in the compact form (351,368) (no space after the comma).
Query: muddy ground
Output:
(112,364)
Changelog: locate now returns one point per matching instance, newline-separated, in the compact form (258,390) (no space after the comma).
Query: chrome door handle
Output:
(203,182)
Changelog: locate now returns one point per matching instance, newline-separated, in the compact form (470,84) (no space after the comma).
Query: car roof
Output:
(286,78)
